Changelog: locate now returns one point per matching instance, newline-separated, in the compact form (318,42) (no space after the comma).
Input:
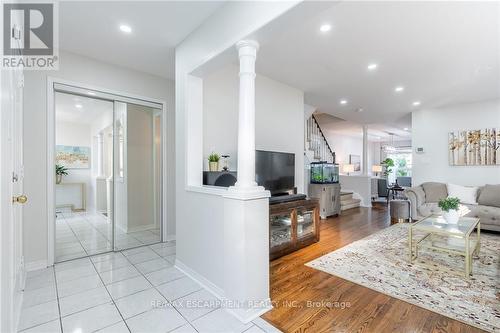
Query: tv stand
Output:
(292,226)
(275,199)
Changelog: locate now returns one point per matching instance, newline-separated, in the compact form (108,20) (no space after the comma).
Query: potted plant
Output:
(388,164)
(213,162)
(61,171)
(450,209)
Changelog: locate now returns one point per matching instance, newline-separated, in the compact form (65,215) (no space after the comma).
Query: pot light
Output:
(125,28)
(359,110)
(399,89)
(372,67)
(325,27)
(78,106)
(406,128)
(343,101)
(416,103)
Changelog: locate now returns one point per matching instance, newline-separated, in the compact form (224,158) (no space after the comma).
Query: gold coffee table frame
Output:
(436,225)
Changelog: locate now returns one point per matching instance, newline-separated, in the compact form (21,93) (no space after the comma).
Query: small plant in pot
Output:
(450,206)
(213,162)
(61,171)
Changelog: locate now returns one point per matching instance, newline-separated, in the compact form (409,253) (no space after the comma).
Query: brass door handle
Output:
(20,199)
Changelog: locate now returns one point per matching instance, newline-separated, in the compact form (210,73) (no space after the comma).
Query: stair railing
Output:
(317,141)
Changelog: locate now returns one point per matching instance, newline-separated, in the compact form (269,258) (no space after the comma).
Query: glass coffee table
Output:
(458,238)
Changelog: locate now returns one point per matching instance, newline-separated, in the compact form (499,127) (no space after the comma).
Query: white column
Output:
(365,150)
(100,154)
(247,52)
(246,210)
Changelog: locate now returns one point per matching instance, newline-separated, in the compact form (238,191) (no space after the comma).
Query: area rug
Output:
(435,280)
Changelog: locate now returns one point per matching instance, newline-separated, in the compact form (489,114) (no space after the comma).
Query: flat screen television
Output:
(275,171)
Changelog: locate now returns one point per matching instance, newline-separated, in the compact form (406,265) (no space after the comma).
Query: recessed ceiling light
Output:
(91,93)
(325,27)
(406,128)
(343,101)
(399,89)
(78,106)
(416,103)
(372,67)
(125,28)
(359,110)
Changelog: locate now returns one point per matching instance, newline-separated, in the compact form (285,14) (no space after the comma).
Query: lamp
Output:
(348,168)
(376,168)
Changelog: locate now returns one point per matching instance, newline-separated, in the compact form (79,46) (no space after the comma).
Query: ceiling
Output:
(376,132)
(91,28)
(90,110)
(443,53)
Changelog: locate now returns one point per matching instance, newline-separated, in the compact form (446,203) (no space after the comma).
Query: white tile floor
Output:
(80,234)
(136,290)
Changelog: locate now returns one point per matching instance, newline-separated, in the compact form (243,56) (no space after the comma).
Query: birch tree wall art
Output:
(474,147)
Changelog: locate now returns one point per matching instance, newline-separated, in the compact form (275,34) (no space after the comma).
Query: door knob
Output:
(20,199)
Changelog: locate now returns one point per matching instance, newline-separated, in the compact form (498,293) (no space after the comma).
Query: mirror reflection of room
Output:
(108,176)
(84,158)
(137,185)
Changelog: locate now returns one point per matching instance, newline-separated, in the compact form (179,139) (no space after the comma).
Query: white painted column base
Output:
(246,253)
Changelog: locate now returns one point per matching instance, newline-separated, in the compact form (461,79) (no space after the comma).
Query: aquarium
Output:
(324,173)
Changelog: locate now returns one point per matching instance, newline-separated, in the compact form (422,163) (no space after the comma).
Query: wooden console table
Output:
(292,226)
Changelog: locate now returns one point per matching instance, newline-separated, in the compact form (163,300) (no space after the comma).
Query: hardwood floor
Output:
(293,285)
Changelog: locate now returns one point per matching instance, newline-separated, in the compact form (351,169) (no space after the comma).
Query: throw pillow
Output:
(434,191)
(490,196)
(467,195)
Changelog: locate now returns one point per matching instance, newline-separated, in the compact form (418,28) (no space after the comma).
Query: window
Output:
(402,158)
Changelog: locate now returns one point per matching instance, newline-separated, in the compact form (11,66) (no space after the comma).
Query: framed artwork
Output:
(73,157)
(356,161)
(474,147)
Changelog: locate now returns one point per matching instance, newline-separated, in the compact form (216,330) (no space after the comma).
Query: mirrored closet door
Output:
(108,162)
(137,185)
(83,162)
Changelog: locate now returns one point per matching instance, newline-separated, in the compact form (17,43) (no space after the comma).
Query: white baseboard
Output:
(246,316)
(202,281)
(34,265)
(169,238)
(141,228)
(243,315)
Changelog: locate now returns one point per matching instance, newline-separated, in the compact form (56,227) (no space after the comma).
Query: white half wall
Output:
(87,71)
(430,130)
(360,185)
(200,215)
(279,118)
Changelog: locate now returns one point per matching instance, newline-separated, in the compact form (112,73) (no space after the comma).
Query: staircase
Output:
(317,143)
(347,201)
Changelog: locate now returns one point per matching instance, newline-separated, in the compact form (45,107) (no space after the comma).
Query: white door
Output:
(12,199)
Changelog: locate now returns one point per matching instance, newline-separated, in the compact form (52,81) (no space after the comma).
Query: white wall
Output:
(279,118)
(88,71)
(430,130)
(77,134)
(344,145)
